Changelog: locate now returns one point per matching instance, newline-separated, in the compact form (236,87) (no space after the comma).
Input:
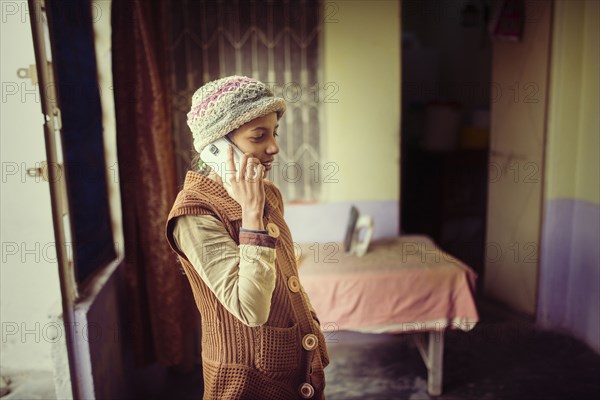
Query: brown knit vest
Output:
(242,362)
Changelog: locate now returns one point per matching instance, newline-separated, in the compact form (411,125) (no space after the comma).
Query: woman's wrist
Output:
(253,221)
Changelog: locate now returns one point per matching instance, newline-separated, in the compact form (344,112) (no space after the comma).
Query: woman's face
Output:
(259,138)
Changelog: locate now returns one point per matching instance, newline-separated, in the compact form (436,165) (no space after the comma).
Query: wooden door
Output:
(519,96)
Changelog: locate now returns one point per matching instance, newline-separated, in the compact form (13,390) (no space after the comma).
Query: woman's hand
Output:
(247,188)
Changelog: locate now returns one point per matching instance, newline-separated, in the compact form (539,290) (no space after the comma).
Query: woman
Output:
(261,339)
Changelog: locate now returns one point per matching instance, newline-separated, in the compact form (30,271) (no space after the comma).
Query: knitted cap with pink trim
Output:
(223,105)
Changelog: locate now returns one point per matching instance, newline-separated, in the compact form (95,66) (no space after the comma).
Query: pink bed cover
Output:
(403,284)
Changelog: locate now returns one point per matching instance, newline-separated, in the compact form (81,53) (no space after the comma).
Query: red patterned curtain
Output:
(162,309)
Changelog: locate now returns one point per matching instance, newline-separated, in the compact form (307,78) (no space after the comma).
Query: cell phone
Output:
(215,155)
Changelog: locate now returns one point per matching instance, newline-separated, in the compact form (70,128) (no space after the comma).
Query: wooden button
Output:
(273,230)
(310,342)
(306,391)
(294,284)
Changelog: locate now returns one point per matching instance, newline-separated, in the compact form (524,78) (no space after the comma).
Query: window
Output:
(277,43)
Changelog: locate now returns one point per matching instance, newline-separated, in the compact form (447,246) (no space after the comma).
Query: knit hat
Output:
(223,105)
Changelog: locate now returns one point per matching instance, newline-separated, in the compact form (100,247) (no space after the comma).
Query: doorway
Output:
(446,75)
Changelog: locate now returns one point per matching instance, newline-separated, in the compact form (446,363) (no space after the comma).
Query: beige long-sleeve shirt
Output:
(241,277)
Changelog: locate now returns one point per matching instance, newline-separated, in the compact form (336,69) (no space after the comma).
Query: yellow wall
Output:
(573,142)
(361,133)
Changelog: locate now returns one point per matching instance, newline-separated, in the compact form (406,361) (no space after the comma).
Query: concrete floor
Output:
(503,358)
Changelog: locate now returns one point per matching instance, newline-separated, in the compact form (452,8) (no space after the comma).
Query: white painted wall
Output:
(29,285)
